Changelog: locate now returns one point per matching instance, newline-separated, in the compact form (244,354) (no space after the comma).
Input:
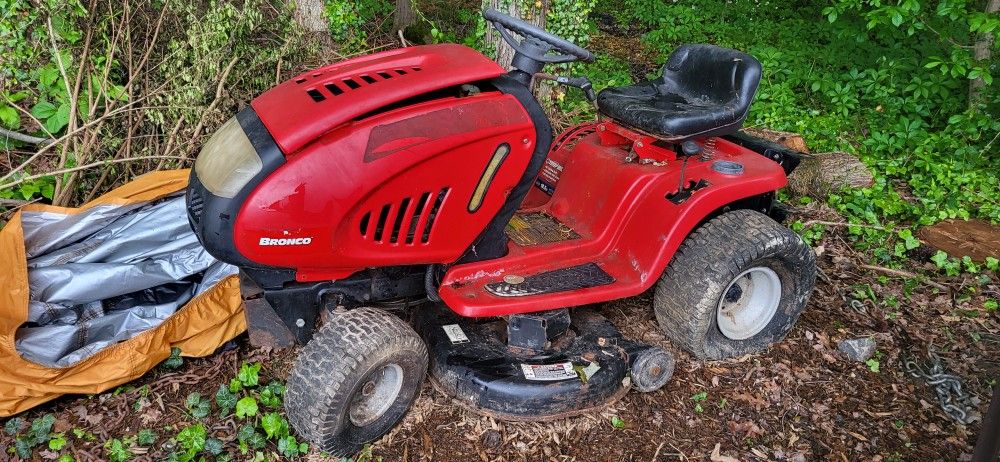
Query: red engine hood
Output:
(305,107)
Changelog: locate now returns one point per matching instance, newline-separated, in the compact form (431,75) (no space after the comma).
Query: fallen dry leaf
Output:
(718,457)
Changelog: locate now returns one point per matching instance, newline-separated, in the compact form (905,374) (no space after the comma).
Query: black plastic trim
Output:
(787,157)
(492,241)
(216,219)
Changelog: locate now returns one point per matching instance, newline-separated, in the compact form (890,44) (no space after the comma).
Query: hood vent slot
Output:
(438,201)
(333,89)
(405,221)
(315,95)
(351,83)
(404,209)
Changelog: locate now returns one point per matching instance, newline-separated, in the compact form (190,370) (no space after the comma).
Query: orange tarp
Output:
(198,328)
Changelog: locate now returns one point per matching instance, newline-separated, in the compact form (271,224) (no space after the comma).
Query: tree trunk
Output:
(981,53)
(309,15)
(405,16)
(518,9)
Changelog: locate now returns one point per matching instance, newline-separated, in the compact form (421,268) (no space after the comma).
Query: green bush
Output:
(846,83)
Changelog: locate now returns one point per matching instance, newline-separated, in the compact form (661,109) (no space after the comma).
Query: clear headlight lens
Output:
(228,161)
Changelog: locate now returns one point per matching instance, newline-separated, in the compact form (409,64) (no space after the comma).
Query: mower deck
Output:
(584,366)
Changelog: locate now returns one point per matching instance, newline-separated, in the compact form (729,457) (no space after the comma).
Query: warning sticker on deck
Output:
(549,372)
(455,334)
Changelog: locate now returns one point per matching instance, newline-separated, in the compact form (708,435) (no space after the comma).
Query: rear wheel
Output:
(736,285)
(355,380)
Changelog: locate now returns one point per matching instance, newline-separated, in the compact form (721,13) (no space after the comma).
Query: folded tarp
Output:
(94,297)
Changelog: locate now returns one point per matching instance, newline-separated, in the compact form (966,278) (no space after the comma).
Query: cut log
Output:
(975,239)
(822,174)
(787,139)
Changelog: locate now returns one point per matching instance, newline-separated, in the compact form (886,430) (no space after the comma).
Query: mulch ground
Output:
(801,400)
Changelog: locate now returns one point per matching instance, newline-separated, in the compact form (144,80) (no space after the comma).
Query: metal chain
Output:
(952,398)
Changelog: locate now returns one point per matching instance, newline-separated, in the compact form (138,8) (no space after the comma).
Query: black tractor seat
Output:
(705,90)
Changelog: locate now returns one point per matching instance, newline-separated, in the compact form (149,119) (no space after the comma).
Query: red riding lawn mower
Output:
(422,187)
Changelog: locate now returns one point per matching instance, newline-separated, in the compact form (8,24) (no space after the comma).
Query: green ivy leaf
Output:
(57,442)
(175,360)
(198,406)
(22,447)
(41,427)
(213,446)
(274,425)
(193,438)
(246,407)
(256,440)
(249,374)
(288,446)
(225,399)
(245,432)
(12,426)
(940,258)
(118,451)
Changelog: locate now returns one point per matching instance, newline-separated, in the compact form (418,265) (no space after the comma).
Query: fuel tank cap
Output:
(727,167)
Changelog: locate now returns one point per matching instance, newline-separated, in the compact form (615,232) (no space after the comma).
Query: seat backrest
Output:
(720,74)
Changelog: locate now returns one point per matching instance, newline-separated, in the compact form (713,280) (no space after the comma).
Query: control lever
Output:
(582,83)
(688,149)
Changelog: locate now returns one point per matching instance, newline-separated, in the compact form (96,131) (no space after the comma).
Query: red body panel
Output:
(361,188)
(386,172)
(300,110)
(620,210)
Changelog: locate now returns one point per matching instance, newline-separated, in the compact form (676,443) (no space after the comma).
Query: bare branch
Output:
(25,138)
(85,167)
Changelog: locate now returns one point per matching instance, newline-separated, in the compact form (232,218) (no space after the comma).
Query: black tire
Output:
(338,364)
(689,292)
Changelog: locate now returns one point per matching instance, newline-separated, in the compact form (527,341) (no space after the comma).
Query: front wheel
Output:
(355,380)
(736,286)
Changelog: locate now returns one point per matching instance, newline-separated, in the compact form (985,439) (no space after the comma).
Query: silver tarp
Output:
(107,274)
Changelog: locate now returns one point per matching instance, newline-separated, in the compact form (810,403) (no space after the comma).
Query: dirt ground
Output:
(801,400)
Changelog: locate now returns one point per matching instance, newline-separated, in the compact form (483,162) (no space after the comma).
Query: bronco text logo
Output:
(290,241)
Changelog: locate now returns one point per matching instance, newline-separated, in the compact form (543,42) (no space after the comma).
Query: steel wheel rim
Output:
(749,303)
(376,395)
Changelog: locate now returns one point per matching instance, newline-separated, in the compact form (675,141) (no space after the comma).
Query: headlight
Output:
(228,161)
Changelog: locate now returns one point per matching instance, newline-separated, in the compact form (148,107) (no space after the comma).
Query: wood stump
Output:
(818,174)
(822,174)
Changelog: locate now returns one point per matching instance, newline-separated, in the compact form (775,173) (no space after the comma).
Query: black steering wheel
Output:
(537,43)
